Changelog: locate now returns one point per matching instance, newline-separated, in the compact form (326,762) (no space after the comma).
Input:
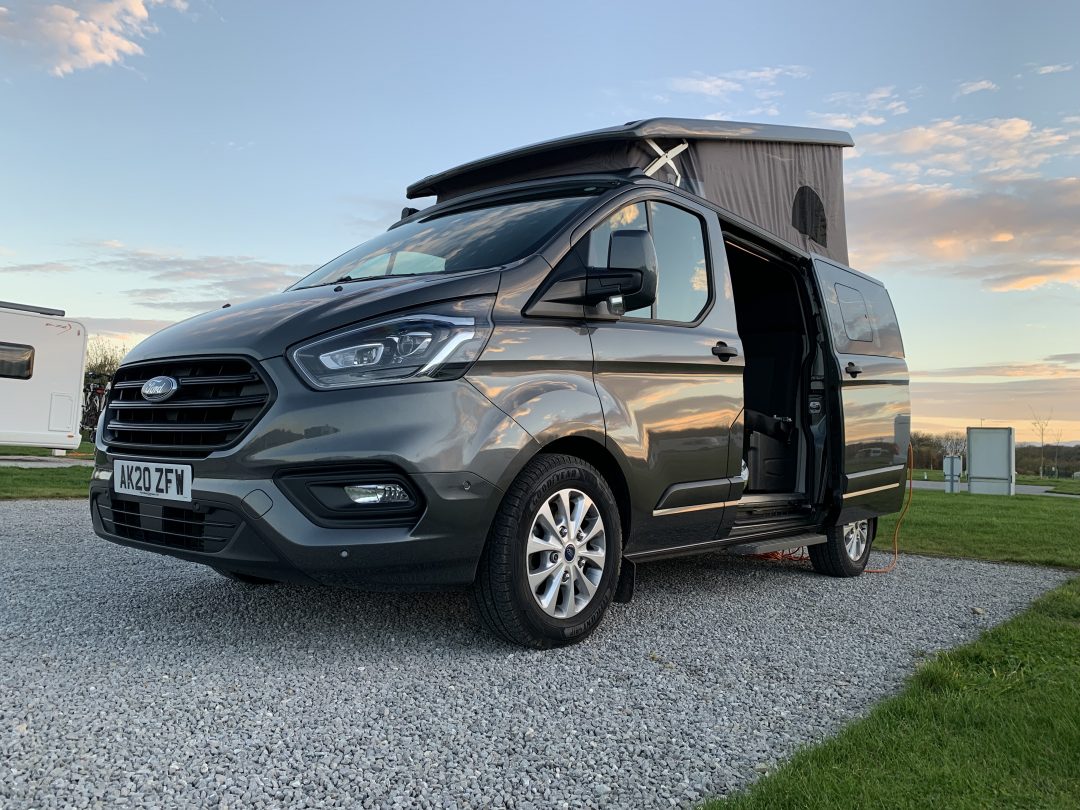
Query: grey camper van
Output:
(597,351)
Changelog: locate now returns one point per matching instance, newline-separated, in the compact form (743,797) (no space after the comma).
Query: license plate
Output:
(170,482)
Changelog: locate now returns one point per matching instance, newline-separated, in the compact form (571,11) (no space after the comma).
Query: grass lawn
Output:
(86,449)
(1070,486)
(1022,528)
(995,723)
(55,482)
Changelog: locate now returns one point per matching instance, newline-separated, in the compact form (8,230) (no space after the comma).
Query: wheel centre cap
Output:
(569,552)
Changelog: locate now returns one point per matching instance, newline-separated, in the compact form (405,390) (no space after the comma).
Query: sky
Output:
(161,157)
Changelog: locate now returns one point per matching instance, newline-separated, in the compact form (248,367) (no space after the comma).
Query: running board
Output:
(779,544)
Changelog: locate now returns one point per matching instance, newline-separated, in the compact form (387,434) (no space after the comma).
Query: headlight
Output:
(432,343)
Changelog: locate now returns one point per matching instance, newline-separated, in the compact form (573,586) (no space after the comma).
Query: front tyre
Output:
(845,552)
(553,555)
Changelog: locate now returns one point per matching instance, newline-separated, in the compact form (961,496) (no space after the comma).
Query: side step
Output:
(779,544)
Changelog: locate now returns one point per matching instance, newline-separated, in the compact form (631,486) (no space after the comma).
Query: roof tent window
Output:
(16,361)
(808,215)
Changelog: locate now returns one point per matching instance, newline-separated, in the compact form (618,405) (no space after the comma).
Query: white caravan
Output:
(42,361)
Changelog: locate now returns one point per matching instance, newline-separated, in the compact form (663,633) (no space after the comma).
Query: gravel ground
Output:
(130,679)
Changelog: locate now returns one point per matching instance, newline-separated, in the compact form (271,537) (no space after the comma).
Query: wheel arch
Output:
(589,449)
(606,463)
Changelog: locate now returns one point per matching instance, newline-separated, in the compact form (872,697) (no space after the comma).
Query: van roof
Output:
(787,180)
(682,128)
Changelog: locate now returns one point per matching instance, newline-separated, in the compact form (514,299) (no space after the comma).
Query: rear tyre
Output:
(552,559)
(247,579)
(845,552)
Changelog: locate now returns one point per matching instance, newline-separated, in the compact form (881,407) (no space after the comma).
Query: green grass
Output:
(995,723)
(84,449)
(54,482)
(1069,486)
(1022,528)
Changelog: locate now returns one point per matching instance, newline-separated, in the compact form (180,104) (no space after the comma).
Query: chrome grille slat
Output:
(217,400)
(228,402)
(206,427)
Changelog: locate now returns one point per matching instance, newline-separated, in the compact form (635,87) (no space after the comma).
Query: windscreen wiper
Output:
(345,279)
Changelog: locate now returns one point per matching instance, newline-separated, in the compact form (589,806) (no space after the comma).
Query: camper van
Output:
(590,353)
(42,359)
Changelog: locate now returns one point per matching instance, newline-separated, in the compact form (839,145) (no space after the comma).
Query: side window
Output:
(16,361)
(856,318)
(682,290)
(861,315)
(630,218)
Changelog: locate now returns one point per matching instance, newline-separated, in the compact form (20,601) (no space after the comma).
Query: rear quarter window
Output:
(861,315)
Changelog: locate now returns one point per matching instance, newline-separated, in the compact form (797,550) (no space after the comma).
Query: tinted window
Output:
(453,242)
(683,285)
(865,324)
(16,361)
(630,218)
(682,289)
(856,318)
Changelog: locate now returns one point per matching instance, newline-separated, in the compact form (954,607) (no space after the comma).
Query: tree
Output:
(923,446)
(1040,424)
(103,358)
(954,443)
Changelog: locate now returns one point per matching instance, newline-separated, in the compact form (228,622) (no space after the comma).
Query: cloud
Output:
(967,88)
(1007,402)
(1052,367)
(846,121)
(39,267)
(991,145)
(177,283)
(1008,237)
(82,34)
(1043,70)
(198,283)
(722,85)
(869,109)
(705,85)
(125,330)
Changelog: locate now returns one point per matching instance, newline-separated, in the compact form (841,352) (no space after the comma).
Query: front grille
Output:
(207,530)
(218,399)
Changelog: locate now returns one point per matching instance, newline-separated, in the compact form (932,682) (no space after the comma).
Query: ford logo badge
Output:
(159,389)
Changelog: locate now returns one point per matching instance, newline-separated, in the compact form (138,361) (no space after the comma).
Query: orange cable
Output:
(800,554)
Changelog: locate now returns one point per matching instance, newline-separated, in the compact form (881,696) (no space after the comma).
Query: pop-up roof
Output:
(787,180)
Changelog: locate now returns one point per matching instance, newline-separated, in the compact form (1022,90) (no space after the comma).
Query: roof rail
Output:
(56,313)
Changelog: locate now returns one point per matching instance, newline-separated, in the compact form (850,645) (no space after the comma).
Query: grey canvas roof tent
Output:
(787,180)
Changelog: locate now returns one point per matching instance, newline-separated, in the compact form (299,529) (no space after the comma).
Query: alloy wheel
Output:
(566,553)
(856,536)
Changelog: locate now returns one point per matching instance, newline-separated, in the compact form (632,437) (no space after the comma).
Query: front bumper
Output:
(282,543)
(447,439)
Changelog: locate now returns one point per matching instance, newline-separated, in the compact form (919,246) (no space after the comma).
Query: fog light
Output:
(372,494)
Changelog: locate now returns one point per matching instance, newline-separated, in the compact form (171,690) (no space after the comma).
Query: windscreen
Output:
(470,239)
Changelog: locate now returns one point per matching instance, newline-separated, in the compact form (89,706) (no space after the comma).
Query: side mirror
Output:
(630,277)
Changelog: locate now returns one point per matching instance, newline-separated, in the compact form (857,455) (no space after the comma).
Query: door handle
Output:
(724,352)
(853,369)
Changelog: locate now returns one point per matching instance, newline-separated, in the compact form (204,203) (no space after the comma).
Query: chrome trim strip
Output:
(678,510)
(893,468)
(861,492)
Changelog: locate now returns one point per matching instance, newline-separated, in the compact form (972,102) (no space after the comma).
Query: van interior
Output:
(776,379)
